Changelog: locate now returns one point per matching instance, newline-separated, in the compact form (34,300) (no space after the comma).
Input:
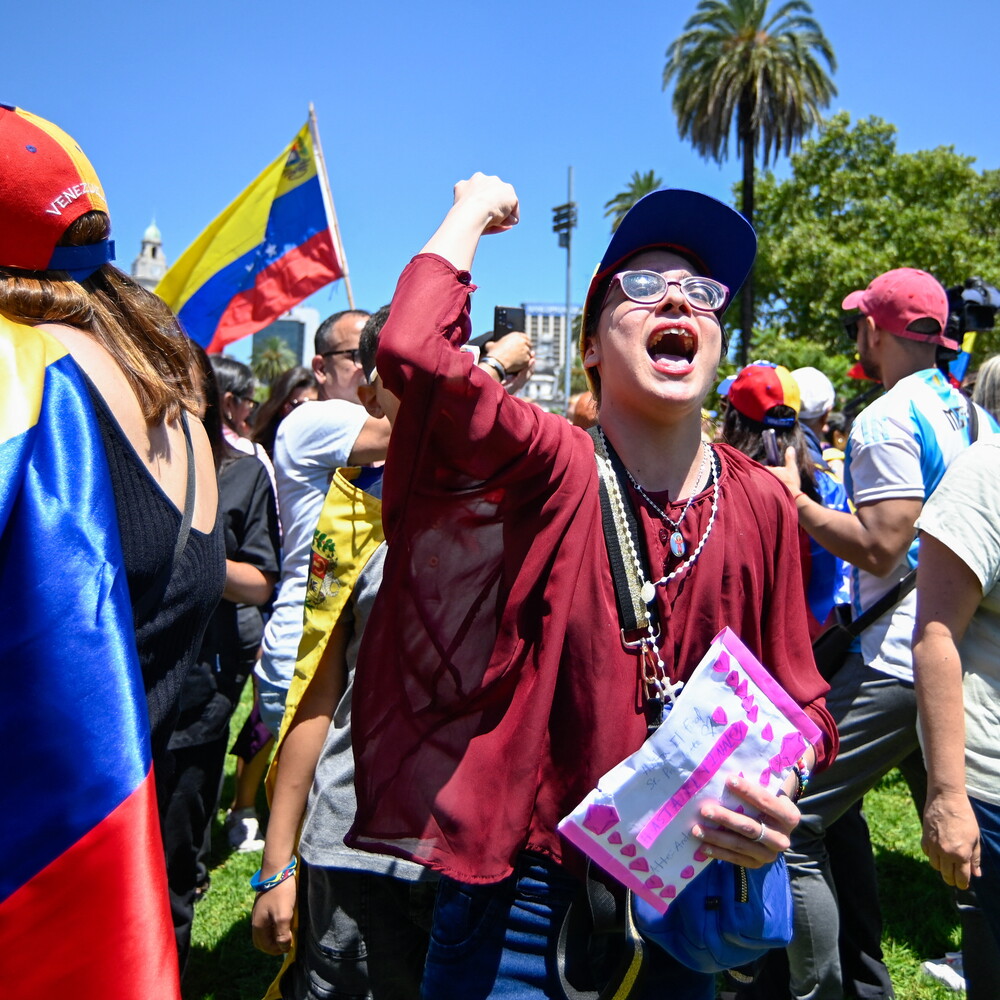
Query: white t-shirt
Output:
(898,449)
(312,442)
(964,515)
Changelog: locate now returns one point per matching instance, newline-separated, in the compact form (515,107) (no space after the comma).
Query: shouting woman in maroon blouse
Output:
(494,688)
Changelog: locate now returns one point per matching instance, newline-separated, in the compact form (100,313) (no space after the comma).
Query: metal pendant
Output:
(677,545)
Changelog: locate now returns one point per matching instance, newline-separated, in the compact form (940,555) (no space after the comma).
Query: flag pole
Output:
(331,214)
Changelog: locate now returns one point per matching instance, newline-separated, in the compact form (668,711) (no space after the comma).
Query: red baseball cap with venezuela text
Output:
(46,184)
(907,303)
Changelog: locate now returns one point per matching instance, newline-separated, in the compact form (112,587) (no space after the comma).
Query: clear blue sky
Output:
(180,105)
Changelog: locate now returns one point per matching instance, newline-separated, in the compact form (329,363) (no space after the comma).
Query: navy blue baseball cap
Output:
(706,231)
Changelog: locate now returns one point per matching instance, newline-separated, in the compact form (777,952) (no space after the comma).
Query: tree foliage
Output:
(736,62)
(639,186)
(855,207)
(272,358)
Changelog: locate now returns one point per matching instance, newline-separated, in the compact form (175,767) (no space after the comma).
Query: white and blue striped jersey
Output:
(899,447)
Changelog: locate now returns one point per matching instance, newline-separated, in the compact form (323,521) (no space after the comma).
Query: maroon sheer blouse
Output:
(492,687)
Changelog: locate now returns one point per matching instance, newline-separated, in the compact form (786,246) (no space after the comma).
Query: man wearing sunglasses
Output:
(495,688)
(898,450)
(312,442)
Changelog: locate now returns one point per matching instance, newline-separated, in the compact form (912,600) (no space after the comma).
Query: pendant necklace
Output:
(677,544)
(656,679)
(648,590)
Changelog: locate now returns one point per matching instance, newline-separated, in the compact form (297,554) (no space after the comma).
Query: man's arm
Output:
(948,594)
(875,539)
(299,751)
(371,443)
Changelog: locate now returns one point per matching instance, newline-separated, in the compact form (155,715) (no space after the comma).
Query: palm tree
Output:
(272,358)
(734,58)
(640,185)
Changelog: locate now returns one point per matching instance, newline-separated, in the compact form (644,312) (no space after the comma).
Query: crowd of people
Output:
(412,564)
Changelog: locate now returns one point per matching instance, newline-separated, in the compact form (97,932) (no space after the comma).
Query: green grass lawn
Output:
(920,922)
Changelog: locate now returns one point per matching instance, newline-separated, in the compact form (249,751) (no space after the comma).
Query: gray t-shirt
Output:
(332,803)
(964,515)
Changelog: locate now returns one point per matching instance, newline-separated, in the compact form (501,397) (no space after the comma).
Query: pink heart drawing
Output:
(669,892)
(629,850)
(688,872)
(767,733)
(733,679)
(765,777)
(653,882)
(741,691)
(700,855)
(600,818)
(639,865)
(614,838)
(719,716)
(752,713)
(721,665)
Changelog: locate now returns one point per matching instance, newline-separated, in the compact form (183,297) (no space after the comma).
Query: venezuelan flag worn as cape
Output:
(270,249)
(83,897)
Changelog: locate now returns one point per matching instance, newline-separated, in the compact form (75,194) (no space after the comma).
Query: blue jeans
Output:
(987,886)
(500,941)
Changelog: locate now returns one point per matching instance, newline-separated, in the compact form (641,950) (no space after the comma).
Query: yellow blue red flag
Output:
(272,247)
(84,911)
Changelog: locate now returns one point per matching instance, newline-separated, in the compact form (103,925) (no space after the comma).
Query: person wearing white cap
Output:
(818,396)
(897,453)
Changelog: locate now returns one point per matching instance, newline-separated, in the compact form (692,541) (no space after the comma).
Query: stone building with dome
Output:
(150,265)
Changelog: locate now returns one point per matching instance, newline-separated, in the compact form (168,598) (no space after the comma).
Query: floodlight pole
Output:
(563,222)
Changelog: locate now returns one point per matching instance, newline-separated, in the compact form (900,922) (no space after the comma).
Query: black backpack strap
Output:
(599,933)
(631,610)
(888,600)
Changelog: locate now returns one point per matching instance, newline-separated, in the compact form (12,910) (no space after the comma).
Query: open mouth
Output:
(672,346)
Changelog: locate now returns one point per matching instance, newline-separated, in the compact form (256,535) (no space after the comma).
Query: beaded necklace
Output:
(655,677)
(677,544)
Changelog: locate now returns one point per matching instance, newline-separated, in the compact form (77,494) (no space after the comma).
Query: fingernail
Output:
(733,781)
(709,814)
(698,832)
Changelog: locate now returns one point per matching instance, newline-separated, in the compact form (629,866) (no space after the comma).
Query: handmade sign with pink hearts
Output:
(732,717)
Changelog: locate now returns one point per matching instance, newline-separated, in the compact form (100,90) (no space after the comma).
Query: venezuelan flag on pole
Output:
(959,368)
(83,898)
(276,244)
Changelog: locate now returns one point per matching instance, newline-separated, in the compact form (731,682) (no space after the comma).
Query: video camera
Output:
(971,307)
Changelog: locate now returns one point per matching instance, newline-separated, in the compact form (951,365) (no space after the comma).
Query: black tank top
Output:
(168,635)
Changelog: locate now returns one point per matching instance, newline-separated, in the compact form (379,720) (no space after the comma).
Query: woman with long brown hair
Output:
(56,274)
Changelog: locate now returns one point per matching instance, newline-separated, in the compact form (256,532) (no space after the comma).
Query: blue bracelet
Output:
(262,885)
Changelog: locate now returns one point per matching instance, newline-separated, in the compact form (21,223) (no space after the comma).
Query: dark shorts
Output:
(361,935)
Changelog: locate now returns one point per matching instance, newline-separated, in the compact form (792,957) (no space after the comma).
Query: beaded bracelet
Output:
(802,775)
(259,884)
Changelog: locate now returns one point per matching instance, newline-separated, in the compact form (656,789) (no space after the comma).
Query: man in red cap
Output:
(898,450)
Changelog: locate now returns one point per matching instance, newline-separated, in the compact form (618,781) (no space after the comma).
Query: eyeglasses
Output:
(249,400)
(851,325)
(354,353)
(649,288)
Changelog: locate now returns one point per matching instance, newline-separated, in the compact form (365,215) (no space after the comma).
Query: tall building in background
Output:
(545,325)
(297,328)
(150,265)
